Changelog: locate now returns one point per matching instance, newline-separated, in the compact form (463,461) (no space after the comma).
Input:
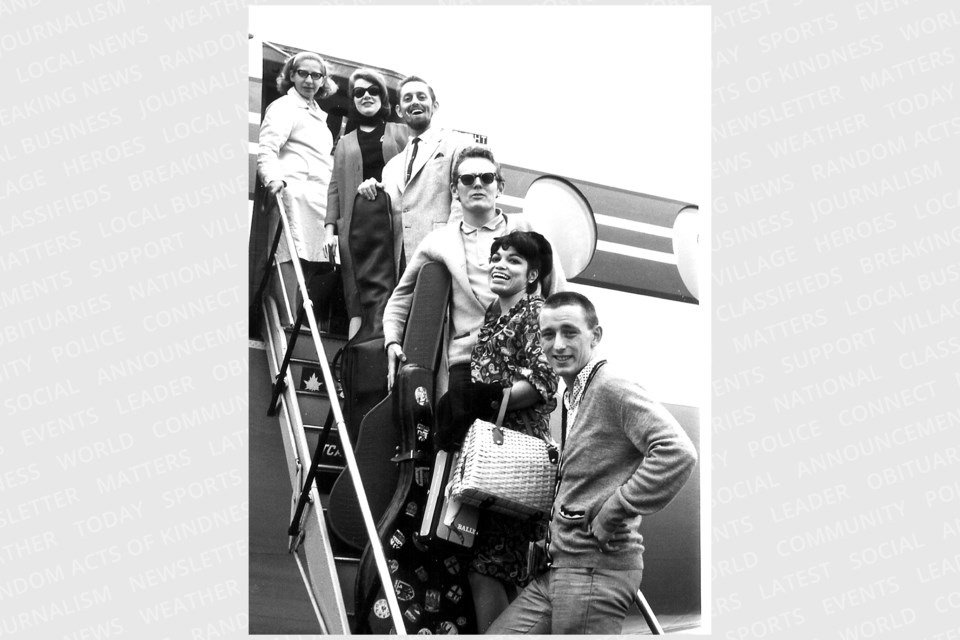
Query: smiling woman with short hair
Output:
(508,354)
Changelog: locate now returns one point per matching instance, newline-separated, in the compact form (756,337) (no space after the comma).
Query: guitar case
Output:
(364,363)
(428,577)
(379,438)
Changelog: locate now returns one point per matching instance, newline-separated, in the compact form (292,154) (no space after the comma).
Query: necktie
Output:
(413,156)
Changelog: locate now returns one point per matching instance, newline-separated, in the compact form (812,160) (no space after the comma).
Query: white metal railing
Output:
(346,444)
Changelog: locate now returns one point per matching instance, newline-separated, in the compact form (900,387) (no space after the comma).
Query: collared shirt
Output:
(427,137)
(476,246)
(428,140)
(573,396)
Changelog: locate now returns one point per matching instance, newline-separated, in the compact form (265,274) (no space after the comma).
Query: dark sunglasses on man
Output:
(467,179)
(373,90)
(304,74)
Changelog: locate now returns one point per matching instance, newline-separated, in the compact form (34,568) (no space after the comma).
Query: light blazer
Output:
(425,202)
(347,176)
(444,245)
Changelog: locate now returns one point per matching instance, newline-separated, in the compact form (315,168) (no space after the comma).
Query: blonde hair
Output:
(285,77)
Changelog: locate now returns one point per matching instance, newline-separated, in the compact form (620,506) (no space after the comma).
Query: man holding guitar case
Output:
(430,582)
(464,248)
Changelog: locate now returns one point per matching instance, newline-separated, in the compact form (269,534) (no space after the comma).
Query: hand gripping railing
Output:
(346,444)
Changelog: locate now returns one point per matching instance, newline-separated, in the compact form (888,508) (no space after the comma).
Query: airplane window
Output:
(686,246)
(563,215)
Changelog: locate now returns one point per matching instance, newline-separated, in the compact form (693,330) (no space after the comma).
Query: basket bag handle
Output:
(553,450)
(497,431)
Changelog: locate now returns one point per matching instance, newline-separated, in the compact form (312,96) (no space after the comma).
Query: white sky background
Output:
(614,95)
(560,89)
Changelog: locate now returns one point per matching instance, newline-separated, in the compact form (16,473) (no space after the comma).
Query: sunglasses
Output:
(373,90)
(317,77)
(468,179)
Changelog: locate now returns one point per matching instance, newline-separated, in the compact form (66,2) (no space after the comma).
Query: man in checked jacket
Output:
(625,456)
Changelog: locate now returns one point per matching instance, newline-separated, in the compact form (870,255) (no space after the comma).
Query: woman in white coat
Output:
(294,156)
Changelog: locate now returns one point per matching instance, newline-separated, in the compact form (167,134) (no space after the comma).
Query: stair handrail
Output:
(346,445)
(256,302)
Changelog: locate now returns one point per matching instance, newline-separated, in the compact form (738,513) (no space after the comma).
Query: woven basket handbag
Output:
(505,470)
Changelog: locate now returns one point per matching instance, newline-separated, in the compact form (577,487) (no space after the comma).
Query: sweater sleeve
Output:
(398,306)
(668,459)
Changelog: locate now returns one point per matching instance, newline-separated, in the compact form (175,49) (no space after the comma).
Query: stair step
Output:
(347,562)
(305,350)
(340,550)
(308,376)
(347,573)
(324,335)
(324,485)
(330,468)
(313,433)
(308,381)
(313,407)
(332,454)
(343,552)
(318,428)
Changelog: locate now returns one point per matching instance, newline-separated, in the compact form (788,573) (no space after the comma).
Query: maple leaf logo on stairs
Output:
(313,383)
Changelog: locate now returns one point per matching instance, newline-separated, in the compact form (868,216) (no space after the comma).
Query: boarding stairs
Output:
(306,400)
(307,403)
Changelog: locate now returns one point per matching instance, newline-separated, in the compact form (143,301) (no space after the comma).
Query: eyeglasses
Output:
(317,77)
(373,90)
(468,179)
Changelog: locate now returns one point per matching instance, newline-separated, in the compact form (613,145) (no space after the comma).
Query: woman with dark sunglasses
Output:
(370,142)
(294,154)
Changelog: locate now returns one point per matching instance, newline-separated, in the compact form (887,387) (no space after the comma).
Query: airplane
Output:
(635,255)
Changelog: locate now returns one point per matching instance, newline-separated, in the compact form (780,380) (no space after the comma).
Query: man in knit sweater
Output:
(624,456)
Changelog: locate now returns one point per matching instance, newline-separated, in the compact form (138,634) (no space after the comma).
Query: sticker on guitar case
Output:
(421,396)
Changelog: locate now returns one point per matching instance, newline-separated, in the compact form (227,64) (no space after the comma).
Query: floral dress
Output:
(507,350)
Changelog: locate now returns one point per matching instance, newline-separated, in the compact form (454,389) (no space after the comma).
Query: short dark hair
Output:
(533,248)
(409,79)
(563,298)
(375,78)
(474,151)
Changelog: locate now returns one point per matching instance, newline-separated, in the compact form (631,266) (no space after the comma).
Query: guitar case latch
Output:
(408,455)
